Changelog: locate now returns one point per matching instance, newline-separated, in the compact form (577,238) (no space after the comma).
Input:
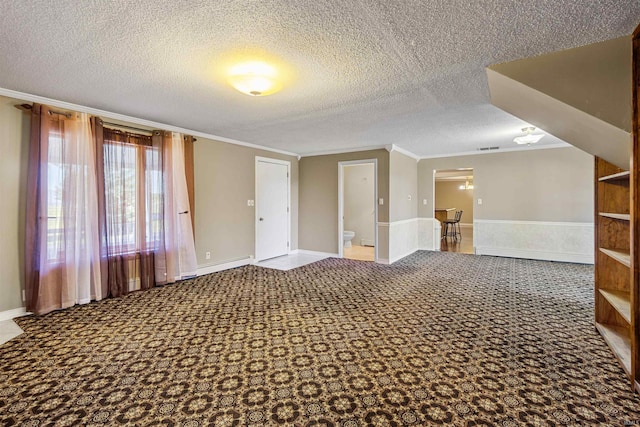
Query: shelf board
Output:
(623,217)
(619,341)
(621,176)
(622,257)
(620,301)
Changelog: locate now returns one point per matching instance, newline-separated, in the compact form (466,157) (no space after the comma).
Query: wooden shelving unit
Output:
(614,263)
(617,240)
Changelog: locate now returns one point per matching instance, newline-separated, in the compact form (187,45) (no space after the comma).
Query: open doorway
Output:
(454,208)
(358,214)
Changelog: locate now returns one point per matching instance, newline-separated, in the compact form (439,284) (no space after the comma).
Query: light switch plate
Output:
(381,201)
(424,201)
(479,201)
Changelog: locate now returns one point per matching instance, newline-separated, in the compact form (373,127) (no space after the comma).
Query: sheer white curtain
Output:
(63,268)
(179,248)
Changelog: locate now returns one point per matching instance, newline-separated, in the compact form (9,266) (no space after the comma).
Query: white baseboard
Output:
(399,257)
(540,255)
(383,261)
(224,266)
(306,252)
(12,314)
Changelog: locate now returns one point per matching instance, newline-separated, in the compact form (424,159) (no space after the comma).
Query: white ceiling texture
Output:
(367,73)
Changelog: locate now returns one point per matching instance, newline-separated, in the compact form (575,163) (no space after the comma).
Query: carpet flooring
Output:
(436,338)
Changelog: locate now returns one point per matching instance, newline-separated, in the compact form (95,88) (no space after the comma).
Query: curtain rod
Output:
(28,107)
(131,127)
(126,127)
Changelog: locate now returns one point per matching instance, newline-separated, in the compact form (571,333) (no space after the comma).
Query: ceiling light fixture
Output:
(254,78)
(466,186)
(528,138)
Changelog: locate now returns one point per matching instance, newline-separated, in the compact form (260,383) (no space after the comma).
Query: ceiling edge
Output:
(501,150)
(343,151)
(134,120)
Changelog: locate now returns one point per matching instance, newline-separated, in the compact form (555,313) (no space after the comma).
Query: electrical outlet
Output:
(479,201)
(381,201)
(424,202)
(207,255)
(250,203)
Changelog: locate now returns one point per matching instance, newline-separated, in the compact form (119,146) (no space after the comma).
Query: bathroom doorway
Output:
(357,210)
(453,193)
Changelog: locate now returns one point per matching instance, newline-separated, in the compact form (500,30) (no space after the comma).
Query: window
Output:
(133,192)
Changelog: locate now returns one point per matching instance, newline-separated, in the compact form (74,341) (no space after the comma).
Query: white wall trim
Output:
(343,151)
(504,221)
(393,147)
(428,234)
(399,222)
(22,96)
(12,314)
(538,255)
(544,240)
(224,266)
(383,261)
(399,257)
(306,252)
(403,238)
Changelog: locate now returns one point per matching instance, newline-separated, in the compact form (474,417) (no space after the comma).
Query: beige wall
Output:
(595,78)
(318,214)
(553,185)
(403,187)
(14,143)
(449,195)
(224,181)
(359,202)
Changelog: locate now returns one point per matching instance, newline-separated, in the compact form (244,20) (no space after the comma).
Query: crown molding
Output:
(343,151)
(393,147)
(501,150)
(22,96)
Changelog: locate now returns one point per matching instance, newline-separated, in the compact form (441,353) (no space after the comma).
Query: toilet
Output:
(347,236)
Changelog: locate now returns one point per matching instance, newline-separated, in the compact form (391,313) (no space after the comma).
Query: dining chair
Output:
(455,226)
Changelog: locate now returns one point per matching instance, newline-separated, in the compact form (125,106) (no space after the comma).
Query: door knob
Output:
(261,219)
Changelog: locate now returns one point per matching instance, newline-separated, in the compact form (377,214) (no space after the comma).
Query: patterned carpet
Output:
(437,338)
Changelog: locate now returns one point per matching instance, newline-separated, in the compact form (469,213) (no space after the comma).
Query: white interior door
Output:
(272,209)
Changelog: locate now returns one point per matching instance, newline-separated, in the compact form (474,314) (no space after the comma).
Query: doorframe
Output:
(255,209)
(473,203)
(341,166)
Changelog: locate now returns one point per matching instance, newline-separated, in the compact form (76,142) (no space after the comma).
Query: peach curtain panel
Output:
(179,248)
(62,240)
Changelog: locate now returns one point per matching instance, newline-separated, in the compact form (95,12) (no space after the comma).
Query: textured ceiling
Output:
(366,73)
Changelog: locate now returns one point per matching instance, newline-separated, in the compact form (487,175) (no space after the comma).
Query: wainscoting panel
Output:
(552,241)
(428,234)
(403,239)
